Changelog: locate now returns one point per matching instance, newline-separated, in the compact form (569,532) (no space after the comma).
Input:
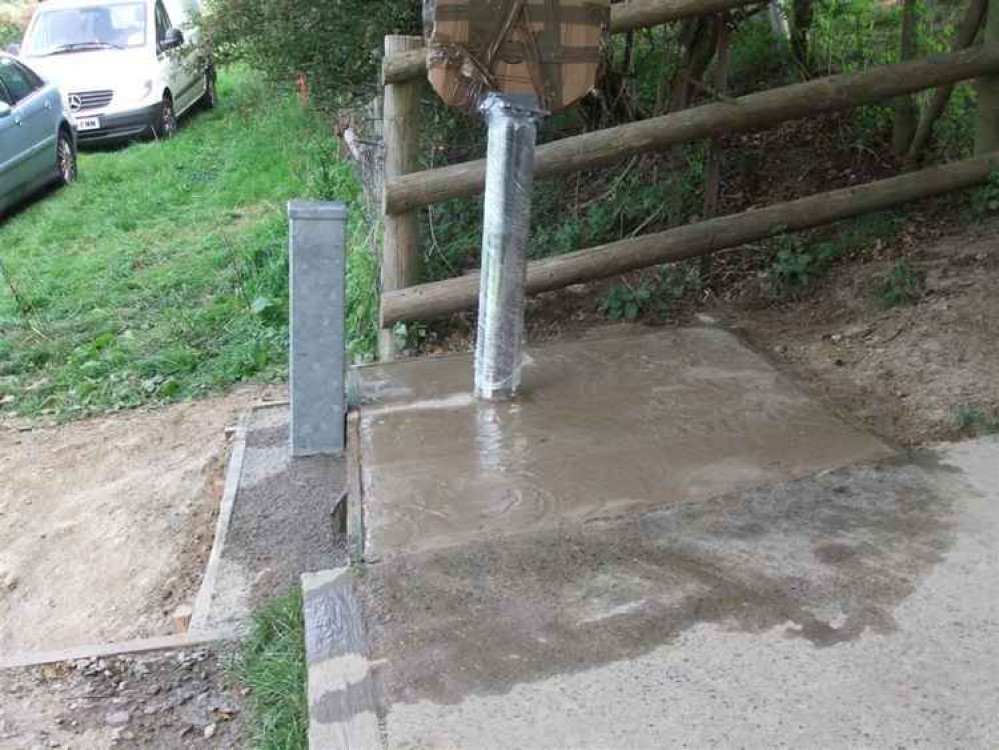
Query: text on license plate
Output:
(88,123)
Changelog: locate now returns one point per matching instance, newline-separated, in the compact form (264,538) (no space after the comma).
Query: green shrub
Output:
(900,286)
(336,44)
(9,33)
(799,262)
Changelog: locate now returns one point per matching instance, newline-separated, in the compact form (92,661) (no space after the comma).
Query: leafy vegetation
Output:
(9,33)
(977,421)
(162,274)
(335,45)
(658,296)
(656,192)
(900,286)
(271,666)
(986,199)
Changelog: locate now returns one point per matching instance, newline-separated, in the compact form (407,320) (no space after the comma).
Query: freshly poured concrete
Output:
(604,426)
(858,608)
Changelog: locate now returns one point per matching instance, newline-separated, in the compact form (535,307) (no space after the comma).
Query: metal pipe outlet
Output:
(512,125)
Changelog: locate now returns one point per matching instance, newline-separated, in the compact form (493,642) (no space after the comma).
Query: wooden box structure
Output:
(548,49)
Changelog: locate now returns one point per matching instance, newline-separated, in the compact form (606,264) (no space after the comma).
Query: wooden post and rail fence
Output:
(407,191)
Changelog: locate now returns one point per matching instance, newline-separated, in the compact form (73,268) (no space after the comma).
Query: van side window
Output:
(162,23)
(18,81)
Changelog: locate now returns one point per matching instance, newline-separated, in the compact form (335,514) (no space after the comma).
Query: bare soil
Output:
(907,372)
(162,702)
(106,524)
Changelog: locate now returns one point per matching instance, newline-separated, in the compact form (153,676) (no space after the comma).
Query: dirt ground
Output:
(908,372)
(161,702)
(106,524)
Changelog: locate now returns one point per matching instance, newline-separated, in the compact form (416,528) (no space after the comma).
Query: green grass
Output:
(162,274)
(271,666)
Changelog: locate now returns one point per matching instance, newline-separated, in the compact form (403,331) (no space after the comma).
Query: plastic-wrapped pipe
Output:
(506,225)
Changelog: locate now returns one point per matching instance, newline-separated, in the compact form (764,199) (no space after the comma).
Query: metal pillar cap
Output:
(307,210)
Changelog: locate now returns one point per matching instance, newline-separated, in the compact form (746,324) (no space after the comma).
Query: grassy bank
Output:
(270,666)
(162,274)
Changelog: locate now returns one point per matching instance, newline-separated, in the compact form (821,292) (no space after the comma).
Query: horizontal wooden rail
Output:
(638,14)
(445,297)
(748,113)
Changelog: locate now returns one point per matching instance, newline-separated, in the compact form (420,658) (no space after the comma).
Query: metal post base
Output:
(509,180)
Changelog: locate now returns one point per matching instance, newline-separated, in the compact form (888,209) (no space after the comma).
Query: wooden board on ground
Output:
(546,48)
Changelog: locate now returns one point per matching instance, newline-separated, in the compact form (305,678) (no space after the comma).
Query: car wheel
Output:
(66,159)
(166,123)
(210,98)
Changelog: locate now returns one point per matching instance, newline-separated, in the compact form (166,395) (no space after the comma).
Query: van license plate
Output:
(88,123)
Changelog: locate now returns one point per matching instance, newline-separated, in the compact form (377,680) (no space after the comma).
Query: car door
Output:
(171,61)
(192,70)
(31,127)
(11,144)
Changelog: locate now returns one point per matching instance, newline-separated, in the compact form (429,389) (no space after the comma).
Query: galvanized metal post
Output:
(512,124)
(318,232)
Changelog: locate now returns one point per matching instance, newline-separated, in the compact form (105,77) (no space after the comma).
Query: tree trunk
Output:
(906,112)
(712,169)
(965,38)
(699,37)
(987,139)
(801,27)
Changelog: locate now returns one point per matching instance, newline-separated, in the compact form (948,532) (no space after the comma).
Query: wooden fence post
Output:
(400,250)
(988,91)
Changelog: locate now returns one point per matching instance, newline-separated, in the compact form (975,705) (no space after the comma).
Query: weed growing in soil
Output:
(985,200)
(978,422)
(271,666)
(798,263)
(900,286)
(660,296)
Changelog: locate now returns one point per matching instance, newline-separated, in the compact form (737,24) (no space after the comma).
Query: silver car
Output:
(37,134)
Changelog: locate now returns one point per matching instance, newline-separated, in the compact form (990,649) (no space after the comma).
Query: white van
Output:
(128,68)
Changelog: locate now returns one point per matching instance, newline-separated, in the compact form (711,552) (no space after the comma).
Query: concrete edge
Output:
(203,601)
(342,694)
(355,488)
(104,650)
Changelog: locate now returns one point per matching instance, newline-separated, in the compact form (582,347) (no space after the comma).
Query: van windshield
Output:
(67,30)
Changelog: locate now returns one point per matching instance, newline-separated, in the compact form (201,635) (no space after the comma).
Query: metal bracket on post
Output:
(318,233)
(512,124)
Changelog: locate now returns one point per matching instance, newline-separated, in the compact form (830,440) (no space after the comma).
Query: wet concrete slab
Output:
(605,426)
(858,607)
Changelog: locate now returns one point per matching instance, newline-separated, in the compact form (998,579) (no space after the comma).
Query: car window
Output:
(162,23)
(4,96)
(68,30)
(18,80)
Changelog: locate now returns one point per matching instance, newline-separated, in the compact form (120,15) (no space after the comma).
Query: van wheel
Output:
(210,98)
(66,159)
(166,124)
